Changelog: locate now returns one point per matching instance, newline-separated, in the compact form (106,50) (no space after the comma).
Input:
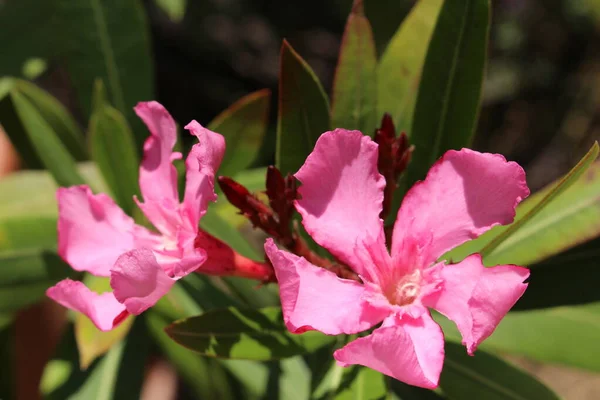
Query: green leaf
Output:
(45,142)
(57,116)
(244,126)
(553,220)
(113,150)
(32,194)
(205,376)
(550,274)
(243,334)
(354,87)
(448,98)
(26,274)
(50,111)
(386,15)
(108,39)
(92,342)
(399,71)
(175,9)
(485,376)
(27,232)
(303,113)
(564,335)
(117,375)
(355,383)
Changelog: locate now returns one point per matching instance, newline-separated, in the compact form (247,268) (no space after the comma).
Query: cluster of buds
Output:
(276,218)
(394,156)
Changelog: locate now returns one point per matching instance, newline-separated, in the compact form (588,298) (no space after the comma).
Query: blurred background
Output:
(541,103)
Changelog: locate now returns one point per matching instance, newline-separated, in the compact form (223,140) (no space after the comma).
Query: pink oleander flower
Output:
(96,236)
(465,194)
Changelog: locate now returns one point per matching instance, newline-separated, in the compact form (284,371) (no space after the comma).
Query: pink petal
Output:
(138,281)
(158,176)
(410,350)
(476,298)
(201,166)
(102,309)
(465,194)
(92,230)
(313,298)
(342,194)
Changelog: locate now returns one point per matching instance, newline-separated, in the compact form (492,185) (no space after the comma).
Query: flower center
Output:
(406,290)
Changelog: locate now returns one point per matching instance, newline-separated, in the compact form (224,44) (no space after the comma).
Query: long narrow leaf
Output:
(303,112)
(354,87)
(46,144)
(450,89)
(113,150)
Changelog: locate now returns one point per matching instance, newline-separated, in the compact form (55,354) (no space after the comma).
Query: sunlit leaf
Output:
(399,71)
(558,217)
(565,335)
(303,113)
(354,97)
(92,342)
(450,89)
(243,334)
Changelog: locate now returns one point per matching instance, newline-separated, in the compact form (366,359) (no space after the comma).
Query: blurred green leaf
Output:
(46,143)
(92,342)
(113,150)
(117,375)
(108,39)
(485,376)
(57,116)
(449,93)
(28,232)
(243,334)
(354,87)
(244,126)
(50,111)
(39,40)
(558,217)
(303,113)
(399,71)
(26,274)
(175,9)
(204,375)
(31,194)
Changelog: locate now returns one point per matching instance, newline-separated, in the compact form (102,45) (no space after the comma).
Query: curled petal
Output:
(476,298)
(342,194)
(138,281)
(465,194)
(102,309)
(410,350)
(92,230)
(313,298)
(158,176)
(201,166)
